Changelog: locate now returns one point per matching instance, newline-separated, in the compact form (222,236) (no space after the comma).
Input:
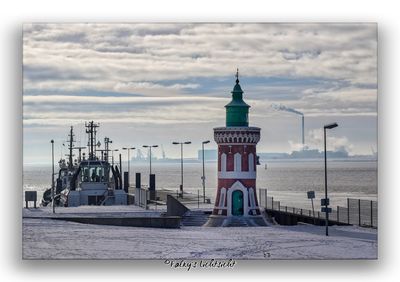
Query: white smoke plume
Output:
(283,108)
(315,139)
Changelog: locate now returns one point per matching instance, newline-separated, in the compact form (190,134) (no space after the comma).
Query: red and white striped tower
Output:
(236,202)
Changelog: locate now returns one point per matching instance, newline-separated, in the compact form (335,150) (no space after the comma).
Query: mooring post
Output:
(359,212)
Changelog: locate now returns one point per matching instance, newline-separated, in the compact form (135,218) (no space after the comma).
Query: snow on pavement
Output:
(55,239)
(101,211)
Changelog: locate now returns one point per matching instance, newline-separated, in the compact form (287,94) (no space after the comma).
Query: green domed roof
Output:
(237,88)
(237,111)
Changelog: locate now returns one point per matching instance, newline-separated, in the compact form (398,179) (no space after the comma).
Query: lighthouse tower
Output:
(236,202)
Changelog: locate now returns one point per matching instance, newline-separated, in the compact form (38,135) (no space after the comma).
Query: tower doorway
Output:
(237,203)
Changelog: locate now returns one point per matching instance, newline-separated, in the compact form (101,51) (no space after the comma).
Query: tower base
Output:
(235,221)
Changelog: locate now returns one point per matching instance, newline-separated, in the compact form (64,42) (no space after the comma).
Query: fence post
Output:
(286,208)
(359,212)
(266,199)
(372,223)
(337,216)
(279,205)
(272,203)
(301,211)
(348,211)
(293,211)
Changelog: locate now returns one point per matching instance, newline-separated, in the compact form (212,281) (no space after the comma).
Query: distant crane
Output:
(139,154)
(373,152)
(162,152)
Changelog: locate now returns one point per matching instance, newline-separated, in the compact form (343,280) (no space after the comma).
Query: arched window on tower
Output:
(222,196)
(223,162)
(237,165)
(251,162)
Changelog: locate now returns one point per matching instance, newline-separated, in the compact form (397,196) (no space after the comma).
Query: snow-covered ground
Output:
(55,239)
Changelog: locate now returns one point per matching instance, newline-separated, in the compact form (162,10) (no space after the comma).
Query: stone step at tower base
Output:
(235,221)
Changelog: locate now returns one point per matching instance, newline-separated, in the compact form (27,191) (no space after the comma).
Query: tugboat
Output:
(91,181)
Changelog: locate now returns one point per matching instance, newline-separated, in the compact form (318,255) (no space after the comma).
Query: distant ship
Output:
(91,181)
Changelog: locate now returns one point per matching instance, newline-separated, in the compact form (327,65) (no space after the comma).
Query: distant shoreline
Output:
(262,160)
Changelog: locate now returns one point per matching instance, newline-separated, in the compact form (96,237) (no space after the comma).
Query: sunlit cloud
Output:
(181,75)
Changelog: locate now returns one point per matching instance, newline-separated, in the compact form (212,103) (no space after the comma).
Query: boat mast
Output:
(70,147)
(91,129)
(107,141)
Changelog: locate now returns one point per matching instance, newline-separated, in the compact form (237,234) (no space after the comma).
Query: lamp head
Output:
(331,125)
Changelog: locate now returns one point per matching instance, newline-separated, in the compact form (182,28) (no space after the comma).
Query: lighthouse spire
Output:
(237,110)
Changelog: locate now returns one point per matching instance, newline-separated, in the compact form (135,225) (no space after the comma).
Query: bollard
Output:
(126,181)
(152,187)
(359,212)
(138,182)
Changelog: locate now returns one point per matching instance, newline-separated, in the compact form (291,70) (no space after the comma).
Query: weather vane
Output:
(237,76)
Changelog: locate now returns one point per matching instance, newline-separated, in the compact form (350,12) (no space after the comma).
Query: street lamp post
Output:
(328,126)
(52,175)
(150,146)
(129,159)
(204,177)
(182,143)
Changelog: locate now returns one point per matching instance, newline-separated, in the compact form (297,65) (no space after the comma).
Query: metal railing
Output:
(358,212)
(141,197)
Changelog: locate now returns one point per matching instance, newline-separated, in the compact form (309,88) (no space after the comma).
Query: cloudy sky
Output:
(158,83)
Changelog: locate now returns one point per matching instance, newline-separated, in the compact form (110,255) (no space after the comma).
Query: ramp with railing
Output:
(358,212)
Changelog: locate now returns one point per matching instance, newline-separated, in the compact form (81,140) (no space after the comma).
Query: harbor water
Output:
(286,180)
